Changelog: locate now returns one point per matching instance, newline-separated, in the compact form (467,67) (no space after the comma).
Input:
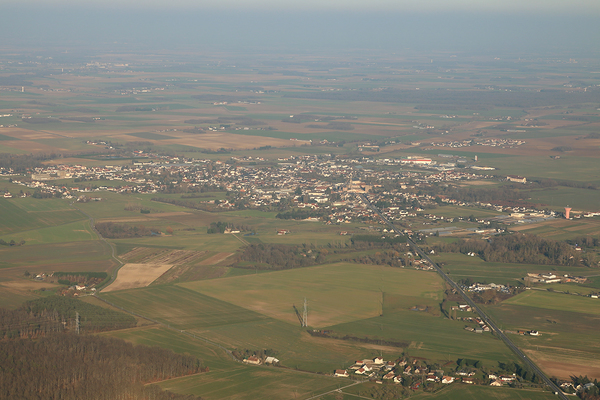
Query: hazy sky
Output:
(484,26)
(512,6)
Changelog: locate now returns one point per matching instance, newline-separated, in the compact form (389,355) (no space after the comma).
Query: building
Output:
(516,178)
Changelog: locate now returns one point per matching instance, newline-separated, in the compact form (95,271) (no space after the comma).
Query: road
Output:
(110,245)
(484,317)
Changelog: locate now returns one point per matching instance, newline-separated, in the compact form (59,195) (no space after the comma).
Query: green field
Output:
(559,197)
(460,266)
(580,169)
(553,301)
(235,327)
(70,232)
(19,215)
(226,378)
(337,293)
(467,392)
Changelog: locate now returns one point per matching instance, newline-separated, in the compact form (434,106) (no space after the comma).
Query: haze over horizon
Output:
(480,27)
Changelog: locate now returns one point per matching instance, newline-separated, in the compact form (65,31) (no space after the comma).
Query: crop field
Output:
(582,169)
(559,197)
(236,327)
(421,331)
(336,293)
(69,232)
(21,215)
(242,320)
(227,379)
(568,343)
(460,266)
(553,301)
(468,392)
(54,254)
(562,229)
(182,308)
(131,276)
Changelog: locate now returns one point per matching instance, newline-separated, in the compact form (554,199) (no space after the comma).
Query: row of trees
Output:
(118,231)
(66,366)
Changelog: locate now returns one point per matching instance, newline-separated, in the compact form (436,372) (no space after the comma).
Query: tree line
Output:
(516,248)
(112,230)
(57,314)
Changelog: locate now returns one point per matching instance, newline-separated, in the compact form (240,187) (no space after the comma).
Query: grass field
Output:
(460,266)
(559,197)
(554,301)
(467,392)
(236,327)
(568,325)
(70,232)
(227,379)
(336,293)
(581,169)
(20,215)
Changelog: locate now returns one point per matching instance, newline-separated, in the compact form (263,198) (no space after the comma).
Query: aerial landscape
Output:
(297,221)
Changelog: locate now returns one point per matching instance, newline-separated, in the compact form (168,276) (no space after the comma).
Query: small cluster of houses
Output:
(482,325)
(482,287)
(370,368)
(380,371)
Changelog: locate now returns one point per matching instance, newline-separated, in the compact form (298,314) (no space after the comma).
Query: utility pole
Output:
(305,314)
(77,322)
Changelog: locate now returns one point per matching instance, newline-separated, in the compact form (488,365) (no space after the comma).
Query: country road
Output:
(484,317)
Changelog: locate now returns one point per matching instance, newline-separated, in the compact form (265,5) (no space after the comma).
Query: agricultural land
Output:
(285,225)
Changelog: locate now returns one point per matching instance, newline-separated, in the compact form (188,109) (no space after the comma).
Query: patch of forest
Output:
(82,278)
(279,256)
(113,230)
(516,248)
(221,227)
(67,366)
(57,314)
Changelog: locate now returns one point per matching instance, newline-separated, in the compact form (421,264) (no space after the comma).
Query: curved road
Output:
(110,245)
(484,317)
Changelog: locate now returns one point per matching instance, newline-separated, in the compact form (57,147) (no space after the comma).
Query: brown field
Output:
(564,366)
(217,258)
(28,146)
(144,218)
(229,140)
(132,276)
(26,285)
(147,255)
(26,134)
(477,183)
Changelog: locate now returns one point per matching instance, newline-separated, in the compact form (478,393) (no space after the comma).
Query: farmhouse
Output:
(516,178)
(252,360)
(342,373)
